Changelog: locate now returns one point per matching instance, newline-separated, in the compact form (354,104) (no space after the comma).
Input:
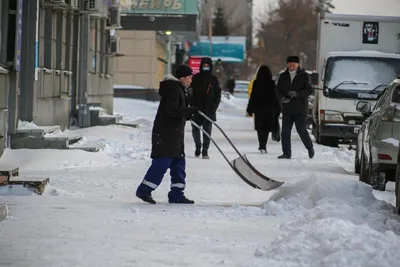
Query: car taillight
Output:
(384,157)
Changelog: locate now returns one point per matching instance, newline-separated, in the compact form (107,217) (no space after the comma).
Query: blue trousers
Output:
(155,175)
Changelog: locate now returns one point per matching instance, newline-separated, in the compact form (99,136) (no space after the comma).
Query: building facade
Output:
(54,58)
(145,58)
(150,36)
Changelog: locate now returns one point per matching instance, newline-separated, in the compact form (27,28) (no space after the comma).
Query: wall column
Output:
(28,52)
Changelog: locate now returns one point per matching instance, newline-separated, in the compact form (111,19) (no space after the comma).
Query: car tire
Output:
(328,141)
(357,166)
(397,189)
(376,179)
(364,172)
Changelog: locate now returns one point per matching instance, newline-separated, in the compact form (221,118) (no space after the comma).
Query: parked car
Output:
(378,138)
(397,187)
(241,88)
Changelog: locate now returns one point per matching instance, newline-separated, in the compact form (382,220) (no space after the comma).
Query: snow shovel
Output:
(241,165)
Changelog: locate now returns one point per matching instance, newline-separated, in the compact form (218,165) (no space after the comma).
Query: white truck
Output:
(357,56)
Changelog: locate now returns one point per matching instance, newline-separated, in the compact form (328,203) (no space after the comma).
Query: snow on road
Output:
(89,216)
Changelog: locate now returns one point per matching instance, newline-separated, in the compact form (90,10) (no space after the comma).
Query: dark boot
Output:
(148,199)
(204,153)
(197,152)
(311,153)
(284,156)
(183,200)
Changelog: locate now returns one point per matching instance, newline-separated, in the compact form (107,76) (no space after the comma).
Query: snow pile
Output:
(144,111)
(332,222)
(121,151)
(26,125)
(231,105)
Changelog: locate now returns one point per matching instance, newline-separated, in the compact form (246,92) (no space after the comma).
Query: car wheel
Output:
(397,190)
(377,179)
(356,164)
(328,141)
(363,174)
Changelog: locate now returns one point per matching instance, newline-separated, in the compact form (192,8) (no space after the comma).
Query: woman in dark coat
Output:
(264,104)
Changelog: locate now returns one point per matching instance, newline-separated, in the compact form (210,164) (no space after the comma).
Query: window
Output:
(370,70)
(59,40)
(1,37)
(102,46)
(396,93)
(48,35)
(11,34)
(107,50)
(93,43)
(383,97)
(68,41)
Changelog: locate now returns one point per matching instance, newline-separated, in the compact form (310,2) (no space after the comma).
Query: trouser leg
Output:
(287,125)
(301,127)
(207,126)
(196,132)
(154,176)
(178,177)
(262,139)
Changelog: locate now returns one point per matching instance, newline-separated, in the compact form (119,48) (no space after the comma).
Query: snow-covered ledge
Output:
(3,70)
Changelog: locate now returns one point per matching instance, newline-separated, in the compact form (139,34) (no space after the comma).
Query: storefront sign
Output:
(160,6)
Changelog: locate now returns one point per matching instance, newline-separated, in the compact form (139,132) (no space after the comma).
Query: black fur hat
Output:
(183,71)
(294,59)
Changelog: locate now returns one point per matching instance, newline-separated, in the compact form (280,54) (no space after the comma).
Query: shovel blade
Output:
(252,176)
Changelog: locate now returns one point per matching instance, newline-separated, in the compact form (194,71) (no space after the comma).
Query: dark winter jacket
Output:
(230,85)
(301,85)
(206,91)
(169,125)
(264,104)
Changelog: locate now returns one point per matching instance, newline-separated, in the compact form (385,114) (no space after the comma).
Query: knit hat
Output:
(183,71)
(294,59)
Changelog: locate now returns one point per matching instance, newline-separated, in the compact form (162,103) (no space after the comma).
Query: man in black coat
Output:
(206,95)
(168,149)
(293,90)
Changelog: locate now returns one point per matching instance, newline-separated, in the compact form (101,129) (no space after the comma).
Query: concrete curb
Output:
(3,212)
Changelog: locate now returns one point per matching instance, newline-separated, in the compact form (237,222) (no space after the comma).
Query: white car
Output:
(241,89)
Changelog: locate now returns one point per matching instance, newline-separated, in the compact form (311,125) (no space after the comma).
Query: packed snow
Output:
(89,215)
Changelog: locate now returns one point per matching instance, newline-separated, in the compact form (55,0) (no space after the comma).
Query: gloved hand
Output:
(292,94)
(194,109)
(285,100)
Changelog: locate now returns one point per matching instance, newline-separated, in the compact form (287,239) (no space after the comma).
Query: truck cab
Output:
(357,57)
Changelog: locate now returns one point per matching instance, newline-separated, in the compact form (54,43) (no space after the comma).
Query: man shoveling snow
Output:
(168,149)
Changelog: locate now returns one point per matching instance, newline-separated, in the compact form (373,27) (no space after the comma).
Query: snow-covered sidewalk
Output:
(89,215)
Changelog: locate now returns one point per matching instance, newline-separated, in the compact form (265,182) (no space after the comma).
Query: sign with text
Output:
(227,49)
(194,63)
(159,7)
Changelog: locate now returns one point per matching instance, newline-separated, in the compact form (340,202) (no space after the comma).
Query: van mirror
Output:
(364,107)
(314,78)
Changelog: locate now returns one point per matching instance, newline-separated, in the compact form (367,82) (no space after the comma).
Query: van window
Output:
(369,71)
(396,94)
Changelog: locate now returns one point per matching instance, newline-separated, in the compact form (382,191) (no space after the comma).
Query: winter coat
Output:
(301,85)
(169,125)
(264,104)
(230,85)
(206,91)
